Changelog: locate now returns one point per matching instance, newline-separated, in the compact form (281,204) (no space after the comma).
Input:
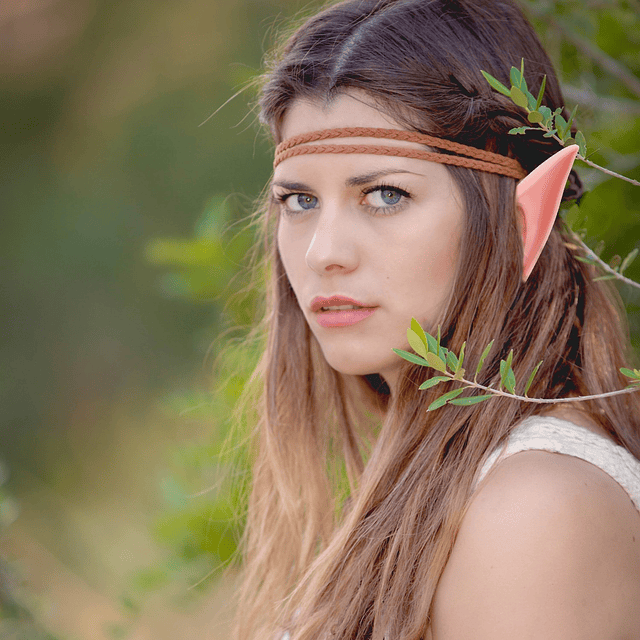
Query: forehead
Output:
(346,110)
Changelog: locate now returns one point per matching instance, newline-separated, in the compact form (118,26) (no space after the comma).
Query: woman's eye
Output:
(382,197)
(300,202)
(385,197)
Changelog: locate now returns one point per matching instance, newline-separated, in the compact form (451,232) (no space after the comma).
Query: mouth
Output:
(337,303)
(339,311)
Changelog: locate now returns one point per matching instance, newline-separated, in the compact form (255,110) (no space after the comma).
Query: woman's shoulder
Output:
(579,438)
(549,547)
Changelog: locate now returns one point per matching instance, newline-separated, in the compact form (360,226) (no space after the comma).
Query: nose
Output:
(333,247)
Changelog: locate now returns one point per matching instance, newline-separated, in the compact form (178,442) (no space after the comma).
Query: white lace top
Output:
(560,436)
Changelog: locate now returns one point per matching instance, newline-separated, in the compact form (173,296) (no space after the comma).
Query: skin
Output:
(548,549)
(336,239)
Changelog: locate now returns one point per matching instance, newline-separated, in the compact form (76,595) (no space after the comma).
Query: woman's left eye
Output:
(384,197)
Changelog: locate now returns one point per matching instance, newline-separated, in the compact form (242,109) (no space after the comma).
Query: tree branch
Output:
(591,99)
(593,256)
(602,59)
(504,394)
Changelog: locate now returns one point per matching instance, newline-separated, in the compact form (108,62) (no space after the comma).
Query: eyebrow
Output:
(354,181)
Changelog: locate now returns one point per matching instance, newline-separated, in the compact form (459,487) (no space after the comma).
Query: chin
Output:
(352,365)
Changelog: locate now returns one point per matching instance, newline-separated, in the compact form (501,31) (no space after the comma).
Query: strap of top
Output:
(560,436)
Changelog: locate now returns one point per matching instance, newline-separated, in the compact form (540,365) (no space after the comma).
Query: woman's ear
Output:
(538,199)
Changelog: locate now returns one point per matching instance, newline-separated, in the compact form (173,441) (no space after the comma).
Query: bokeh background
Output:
(123,241)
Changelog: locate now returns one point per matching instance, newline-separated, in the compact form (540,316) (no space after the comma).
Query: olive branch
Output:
(429,352)
(552,123)
(555,126)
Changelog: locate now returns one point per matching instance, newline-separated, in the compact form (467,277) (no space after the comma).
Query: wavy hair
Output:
(357,496)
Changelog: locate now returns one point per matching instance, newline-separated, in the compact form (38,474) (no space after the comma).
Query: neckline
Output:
(573,426)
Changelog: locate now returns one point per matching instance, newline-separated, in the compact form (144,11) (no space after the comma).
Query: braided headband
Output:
(476,158)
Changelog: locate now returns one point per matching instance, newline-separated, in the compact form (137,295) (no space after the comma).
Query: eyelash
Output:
(281,198)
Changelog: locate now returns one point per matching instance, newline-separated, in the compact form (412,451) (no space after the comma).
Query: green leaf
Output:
(547,115)
(545,111)
(496,84)
(415,327)
(517,79)
(518,97)
(436,363)
(531,377)
(535,117)
(531,101)
(465,402)
(432,382)
(519,130)
(510,382)
(483,357)
(432,343)
(507,377)
(569,141)
(411,357)
(550,134)
(561,125)
(438,336)
(587,260)
(582,143)
(629,373)
(416,343)
(615,262)
(510,358)
(541,92)
(601,278)
(628,260)
(452,361)
(461,357)
(443,399)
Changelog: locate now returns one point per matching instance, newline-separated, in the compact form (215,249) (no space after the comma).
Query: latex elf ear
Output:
(538,197)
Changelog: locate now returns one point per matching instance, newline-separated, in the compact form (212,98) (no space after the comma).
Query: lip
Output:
(344,317)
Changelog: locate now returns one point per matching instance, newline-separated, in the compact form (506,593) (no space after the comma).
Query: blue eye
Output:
(390,196)
(386,199)
(300,201)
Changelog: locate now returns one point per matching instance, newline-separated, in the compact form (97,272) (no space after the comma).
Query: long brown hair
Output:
(323,562)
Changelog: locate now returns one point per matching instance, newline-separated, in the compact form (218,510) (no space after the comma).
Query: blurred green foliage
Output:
(17,605)
(124,242)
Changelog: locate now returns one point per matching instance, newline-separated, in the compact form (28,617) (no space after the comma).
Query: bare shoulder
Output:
(549,548)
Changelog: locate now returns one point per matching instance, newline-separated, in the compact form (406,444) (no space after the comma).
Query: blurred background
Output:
(122,243)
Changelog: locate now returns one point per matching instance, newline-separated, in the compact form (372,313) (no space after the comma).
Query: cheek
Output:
(289,251)
(429,258)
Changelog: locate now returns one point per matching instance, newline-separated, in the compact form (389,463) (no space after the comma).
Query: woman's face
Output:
(378,233)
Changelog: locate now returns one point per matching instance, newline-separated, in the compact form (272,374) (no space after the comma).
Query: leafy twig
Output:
(430,353)
(551,122)
(614,272)
(515,396)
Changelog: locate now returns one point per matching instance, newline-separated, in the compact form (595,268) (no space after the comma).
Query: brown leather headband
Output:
(476,158)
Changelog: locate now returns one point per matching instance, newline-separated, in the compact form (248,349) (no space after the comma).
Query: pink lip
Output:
(342,318)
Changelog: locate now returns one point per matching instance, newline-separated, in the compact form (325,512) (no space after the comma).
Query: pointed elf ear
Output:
(538,197)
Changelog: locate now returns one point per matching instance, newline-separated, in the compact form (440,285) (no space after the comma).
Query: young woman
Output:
(369,516)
